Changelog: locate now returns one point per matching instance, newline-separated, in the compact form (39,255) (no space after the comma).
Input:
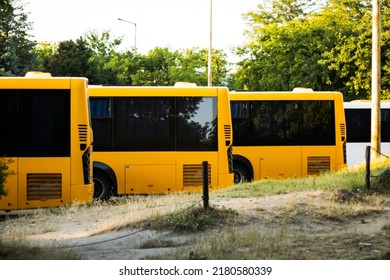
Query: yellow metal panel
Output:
(283,95)
(106,91)
(273,162)
(35,83)
(197,158)
(318,151)
(43,166)
(144,179)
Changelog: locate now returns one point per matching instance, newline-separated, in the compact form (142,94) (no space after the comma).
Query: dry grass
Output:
(305,218)
(283,243)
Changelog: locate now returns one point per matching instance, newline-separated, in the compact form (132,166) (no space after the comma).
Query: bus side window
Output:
(385,125)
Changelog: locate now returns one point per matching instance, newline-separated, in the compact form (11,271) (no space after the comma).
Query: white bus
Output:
(358,119)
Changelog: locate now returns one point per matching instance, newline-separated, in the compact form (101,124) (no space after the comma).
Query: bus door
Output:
(279,162)
(150,172)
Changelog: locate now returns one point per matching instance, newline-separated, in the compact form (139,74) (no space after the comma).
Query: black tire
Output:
(102,186)
(241,173)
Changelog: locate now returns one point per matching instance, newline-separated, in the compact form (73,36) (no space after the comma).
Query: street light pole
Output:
(135,31)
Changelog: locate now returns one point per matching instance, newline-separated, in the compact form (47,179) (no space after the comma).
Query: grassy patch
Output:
(352,179)
(20,251)
(229,236)
(250,243)
(194,219)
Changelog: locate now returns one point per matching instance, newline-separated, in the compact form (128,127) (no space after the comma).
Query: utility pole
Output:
(376,82)
(209,68)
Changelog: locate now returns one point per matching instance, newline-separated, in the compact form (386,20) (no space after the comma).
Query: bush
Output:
(4,173)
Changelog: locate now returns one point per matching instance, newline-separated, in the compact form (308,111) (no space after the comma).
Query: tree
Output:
(16,48)
(155,68)
(104,57)
(69,59)
(163,67)
(351,57)
(283,49)
(5,8)
(325,49)
(192,66)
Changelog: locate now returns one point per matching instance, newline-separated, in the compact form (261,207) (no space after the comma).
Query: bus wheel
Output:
(241,174)
(102,186)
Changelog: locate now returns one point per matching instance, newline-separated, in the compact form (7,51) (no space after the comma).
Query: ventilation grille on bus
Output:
(193,175)
(316,165)
(343,132)
(228,134)
(83,136)
(42,186)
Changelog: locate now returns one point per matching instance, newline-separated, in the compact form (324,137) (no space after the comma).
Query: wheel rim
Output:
(98,188)
(238,177)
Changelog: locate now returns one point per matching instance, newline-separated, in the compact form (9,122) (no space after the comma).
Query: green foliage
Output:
(164,67)
(16,55)
(194,219)
(4,173)
(290,44)
(6,8)
(96,57)
(352,179)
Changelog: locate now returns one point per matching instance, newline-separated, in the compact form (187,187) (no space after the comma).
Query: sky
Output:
(176,24)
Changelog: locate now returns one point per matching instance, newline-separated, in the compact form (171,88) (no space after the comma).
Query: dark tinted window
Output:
(40,123)
(100,107)
(274,123)
(241,123)
(196,124)
(283,123)
(318,123)
(154,124)
(144,124)
(359,125)
(101,123)
(385,126)
(8,123)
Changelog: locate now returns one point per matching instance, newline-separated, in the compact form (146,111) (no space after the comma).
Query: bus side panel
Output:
(341,133)
(318,159)
(10,200)
(141,172)
(81,133)
(150,172)
(225,140)
(280,162)
(273,162)
(42,183)
(189,170)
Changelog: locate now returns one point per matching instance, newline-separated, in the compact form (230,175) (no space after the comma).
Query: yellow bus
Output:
(287,134)
(46,139)
(153,140)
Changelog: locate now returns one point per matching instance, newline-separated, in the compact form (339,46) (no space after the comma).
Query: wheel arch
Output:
(244,161)
(106,169)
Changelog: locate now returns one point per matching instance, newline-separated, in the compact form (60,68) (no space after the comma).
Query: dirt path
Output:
(109,237)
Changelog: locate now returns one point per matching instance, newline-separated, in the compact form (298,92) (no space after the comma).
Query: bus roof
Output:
(365,104)
(285,95)
(153,91)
